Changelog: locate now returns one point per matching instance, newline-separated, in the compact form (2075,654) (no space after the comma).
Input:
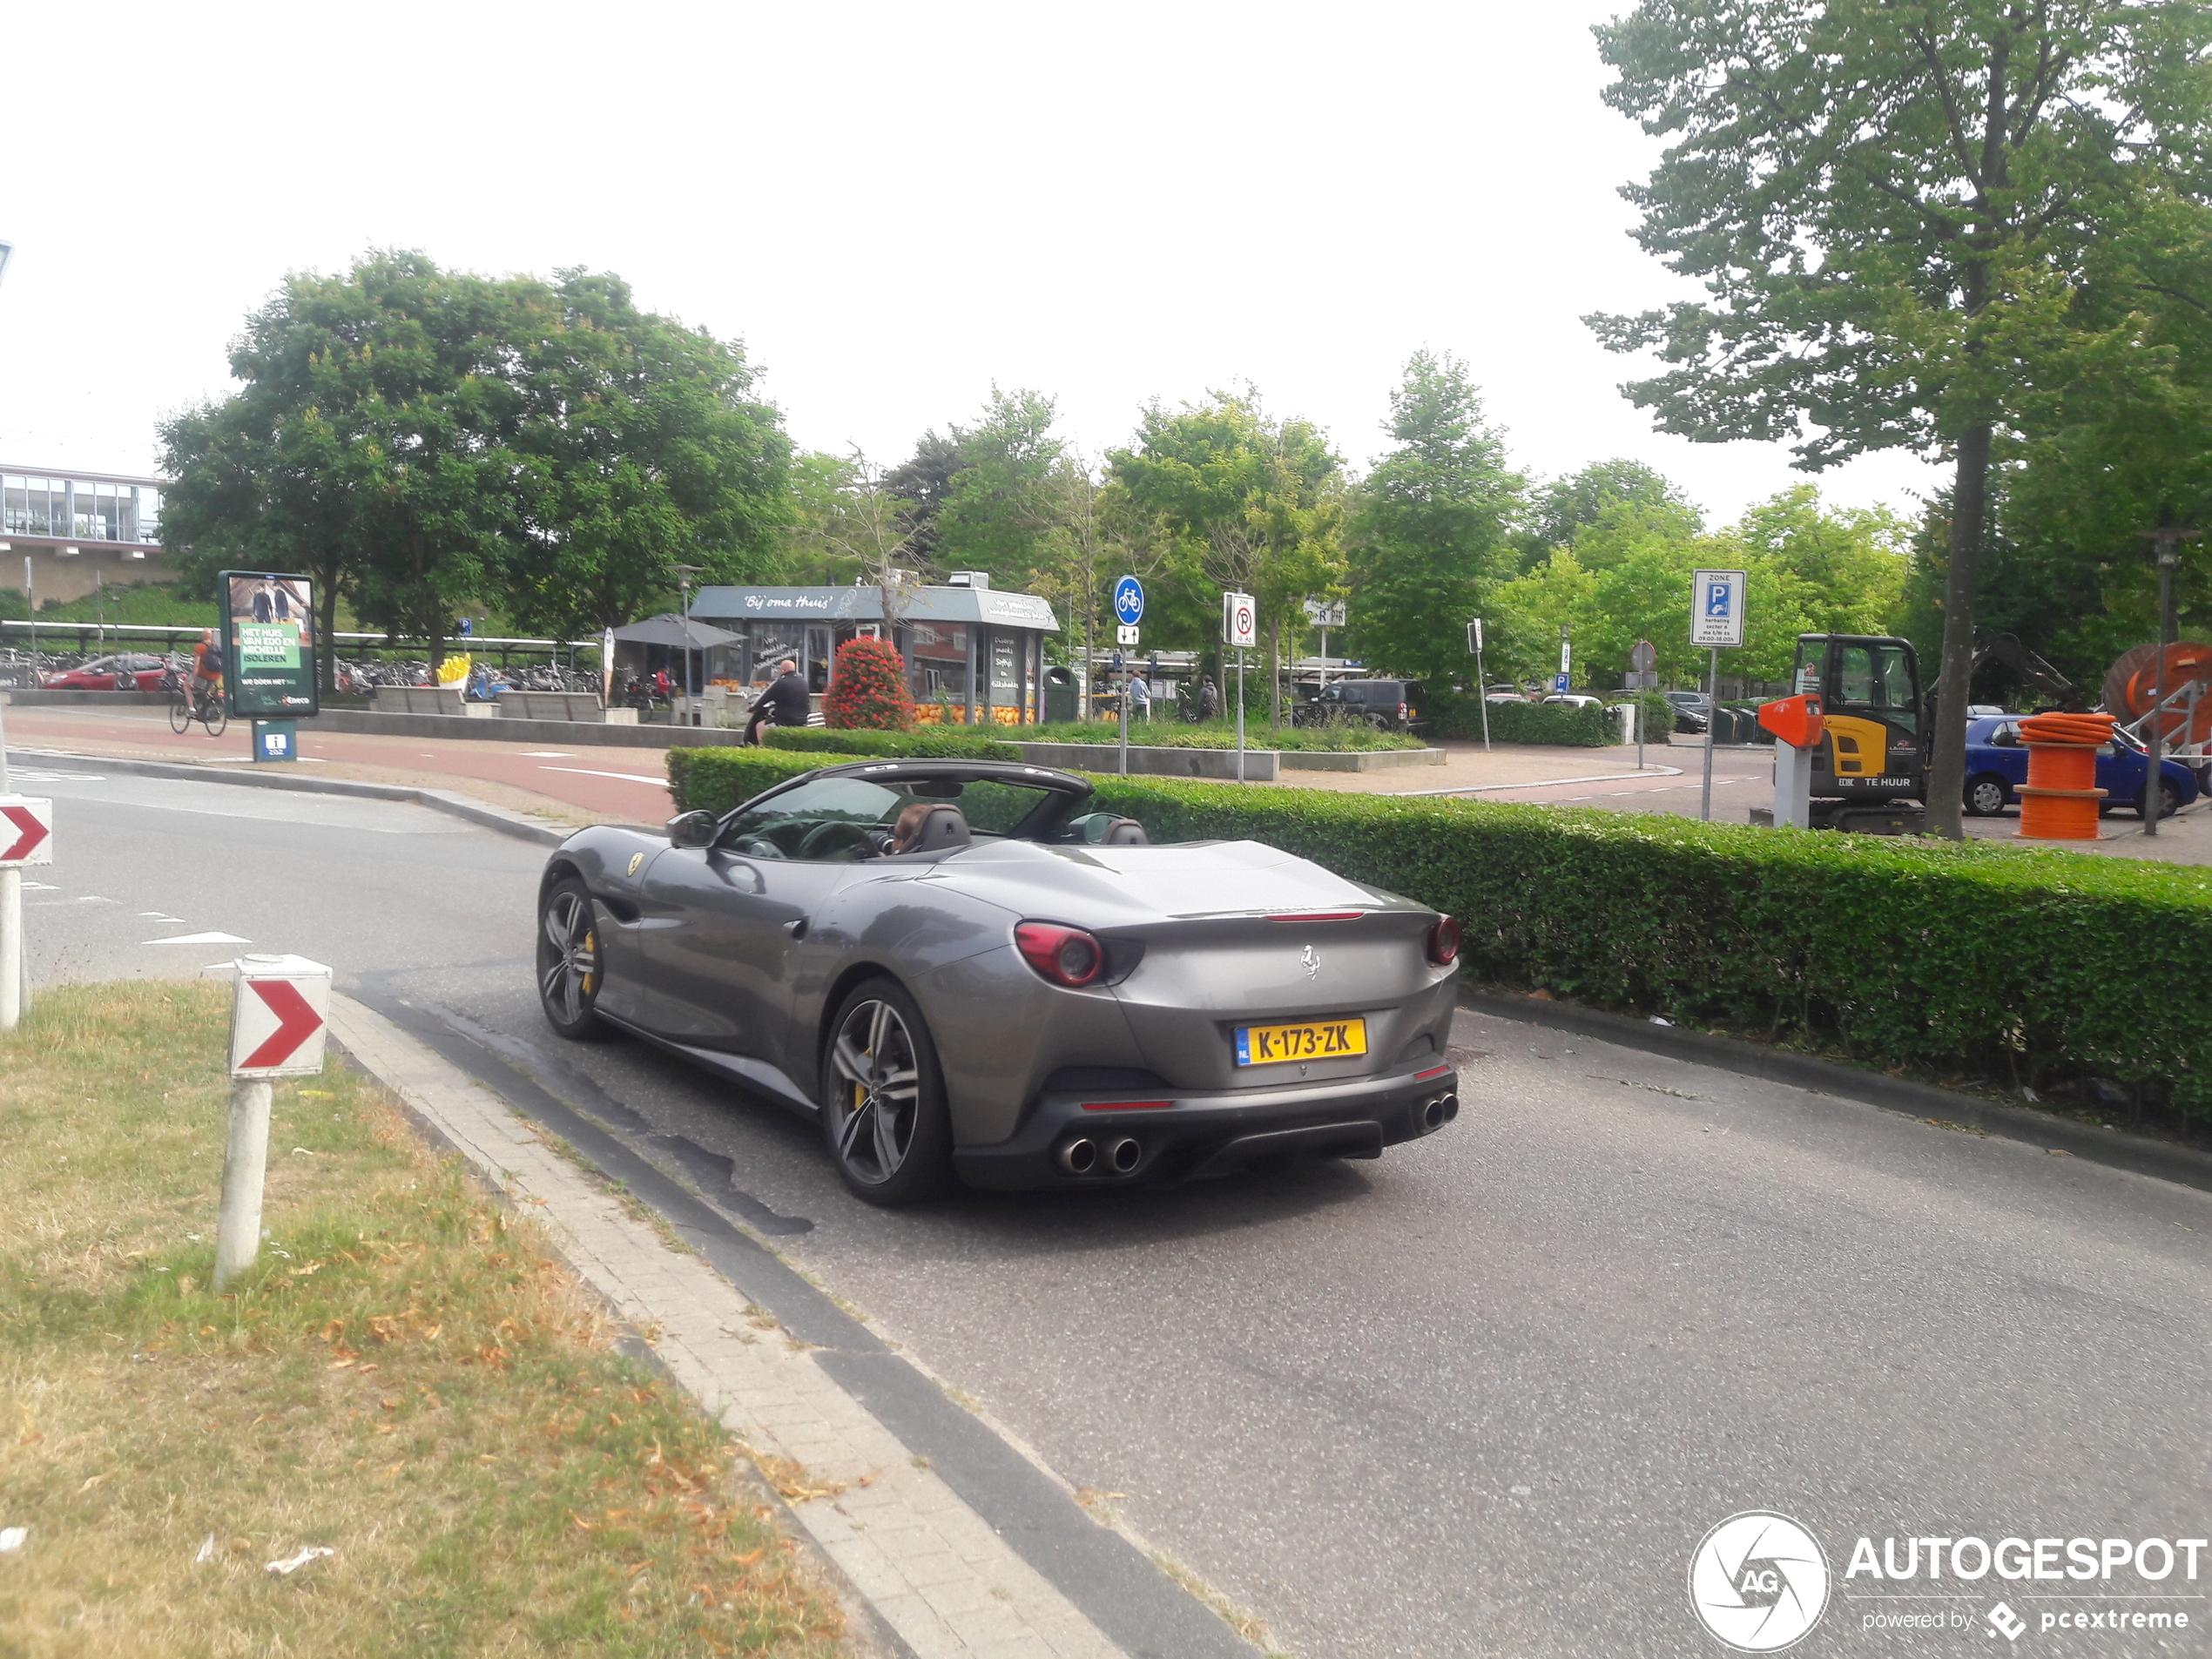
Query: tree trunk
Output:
(437,643)
(327,636)
(1275,669)
(1947,738)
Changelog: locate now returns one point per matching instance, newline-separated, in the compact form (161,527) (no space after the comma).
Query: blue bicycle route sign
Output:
(1128,601)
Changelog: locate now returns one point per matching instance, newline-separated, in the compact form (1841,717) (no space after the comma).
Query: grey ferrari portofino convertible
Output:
(964,969)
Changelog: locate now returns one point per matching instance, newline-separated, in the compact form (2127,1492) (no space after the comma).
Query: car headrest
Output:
(942,826)
(1125,832)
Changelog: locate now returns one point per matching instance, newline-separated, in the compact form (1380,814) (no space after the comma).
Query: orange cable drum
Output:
(2060,801)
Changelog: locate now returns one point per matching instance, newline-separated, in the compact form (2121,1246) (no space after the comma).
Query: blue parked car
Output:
(1997,766)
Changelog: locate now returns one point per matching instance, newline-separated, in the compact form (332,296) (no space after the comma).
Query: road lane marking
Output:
(548,754)
(200,938)
(627,776)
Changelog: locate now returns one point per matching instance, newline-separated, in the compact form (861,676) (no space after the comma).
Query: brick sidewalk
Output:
(935,1571)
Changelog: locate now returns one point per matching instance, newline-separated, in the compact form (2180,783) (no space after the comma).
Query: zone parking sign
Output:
(1716,608)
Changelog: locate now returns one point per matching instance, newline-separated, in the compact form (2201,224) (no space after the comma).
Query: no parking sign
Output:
(1240,621)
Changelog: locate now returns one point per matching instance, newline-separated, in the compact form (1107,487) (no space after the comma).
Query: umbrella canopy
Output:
(675,633)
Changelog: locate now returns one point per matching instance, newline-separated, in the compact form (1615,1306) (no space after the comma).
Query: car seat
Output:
(1124,832)
(945,827)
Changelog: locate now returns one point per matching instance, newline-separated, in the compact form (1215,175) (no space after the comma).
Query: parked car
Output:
(127,671)
(962,969)
(1693,709)
(1573,700)
(1997,766)
(1504,694)
(1388,705)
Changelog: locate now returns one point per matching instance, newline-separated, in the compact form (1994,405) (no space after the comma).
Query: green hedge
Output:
(2019,965)
(957,743)
(1461,716)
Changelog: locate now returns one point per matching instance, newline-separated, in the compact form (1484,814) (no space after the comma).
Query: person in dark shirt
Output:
(786,701)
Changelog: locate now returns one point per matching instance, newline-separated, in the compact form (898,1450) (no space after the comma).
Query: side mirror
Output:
(692,829)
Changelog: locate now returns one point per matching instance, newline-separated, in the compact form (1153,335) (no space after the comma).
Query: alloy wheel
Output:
(880,1089)
(569,959)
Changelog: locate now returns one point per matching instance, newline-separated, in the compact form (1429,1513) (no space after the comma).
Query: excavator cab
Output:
(1876,748)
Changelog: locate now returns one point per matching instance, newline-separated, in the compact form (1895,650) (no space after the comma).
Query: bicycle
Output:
(210,711)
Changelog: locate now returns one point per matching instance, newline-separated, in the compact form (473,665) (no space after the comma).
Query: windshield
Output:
(825,820)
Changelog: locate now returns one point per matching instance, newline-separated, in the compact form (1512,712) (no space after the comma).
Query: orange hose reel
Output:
(2060,800)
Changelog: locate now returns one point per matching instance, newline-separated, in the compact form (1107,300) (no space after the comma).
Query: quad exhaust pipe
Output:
(1083,1156)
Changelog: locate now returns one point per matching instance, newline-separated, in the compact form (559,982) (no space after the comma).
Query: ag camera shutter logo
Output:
(1758,1581)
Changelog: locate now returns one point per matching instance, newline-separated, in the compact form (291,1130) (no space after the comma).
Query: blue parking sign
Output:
(1717,593)
(1716,607)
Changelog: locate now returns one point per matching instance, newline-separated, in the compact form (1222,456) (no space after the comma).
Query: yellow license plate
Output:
(1270,1045)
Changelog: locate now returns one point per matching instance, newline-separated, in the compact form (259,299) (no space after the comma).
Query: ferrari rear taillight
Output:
(1444,942)
(1067,957)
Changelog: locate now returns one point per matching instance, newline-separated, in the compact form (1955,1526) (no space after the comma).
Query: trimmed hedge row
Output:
(2019,964)
(957,744)
(1523,722)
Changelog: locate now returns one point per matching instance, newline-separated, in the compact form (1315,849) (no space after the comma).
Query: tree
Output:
(847,513)
(1000,504)
(1558,511)
(922,483)
(1429,537)
(420,440)
(1889,205)
(1248,503)
(648,452)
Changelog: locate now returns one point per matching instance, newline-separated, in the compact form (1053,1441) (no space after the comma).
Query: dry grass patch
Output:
(410,1379)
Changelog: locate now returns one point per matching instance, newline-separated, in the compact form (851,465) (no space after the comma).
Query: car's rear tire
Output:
(1985,795)
(883,1099)
(571,967)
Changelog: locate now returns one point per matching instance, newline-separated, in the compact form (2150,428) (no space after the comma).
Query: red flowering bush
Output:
(868,689)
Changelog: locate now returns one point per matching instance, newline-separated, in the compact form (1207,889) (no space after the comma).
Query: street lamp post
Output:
(683,574)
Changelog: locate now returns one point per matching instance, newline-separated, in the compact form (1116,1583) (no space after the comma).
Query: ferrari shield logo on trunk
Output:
(1311,958)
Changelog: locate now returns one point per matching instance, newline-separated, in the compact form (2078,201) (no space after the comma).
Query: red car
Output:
(130,671)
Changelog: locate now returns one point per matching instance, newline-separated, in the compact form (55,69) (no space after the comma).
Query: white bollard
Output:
(245,1164)
(279,1022)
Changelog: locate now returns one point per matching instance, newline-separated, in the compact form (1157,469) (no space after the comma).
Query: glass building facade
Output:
(81,507)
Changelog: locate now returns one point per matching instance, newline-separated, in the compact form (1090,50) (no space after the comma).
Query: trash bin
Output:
(1062,694)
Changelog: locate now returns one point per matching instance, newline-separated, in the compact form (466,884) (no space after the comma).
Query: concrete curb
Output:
(476,811)
(1541,783)
(2115,1149)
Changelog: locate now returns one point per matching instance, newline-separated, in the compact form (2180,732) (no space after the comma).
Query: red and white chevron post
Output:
(280,1017)
(26,837)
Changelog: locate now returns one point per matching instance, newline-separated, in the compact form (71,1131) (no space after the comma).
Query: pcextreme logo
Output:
(1758,1581)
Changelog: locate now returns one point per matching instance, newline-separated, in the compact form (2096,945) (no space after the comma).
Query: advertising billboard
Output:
(268,641)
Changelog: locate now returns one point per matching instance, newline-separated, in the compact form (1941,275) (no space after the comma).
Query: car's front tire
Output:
(2170,799)
(883,1099)
(1985,795)
(570,964)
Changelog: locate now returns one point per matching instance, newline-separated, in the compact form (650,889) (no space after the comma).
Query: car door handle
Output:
(796,929)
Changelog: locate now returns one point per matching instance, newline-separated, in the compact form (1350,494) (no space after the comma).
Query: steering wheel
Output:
(757,847)
(829,839)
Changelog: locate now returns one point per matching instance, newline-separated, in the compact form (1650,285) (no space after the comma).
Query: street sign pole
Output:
(1712,726)
(1716,607)
(1240,716)
(1482,681)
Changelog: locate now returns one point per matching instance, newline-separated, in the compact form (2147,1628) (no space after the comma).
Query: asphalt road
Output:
(1484,1396)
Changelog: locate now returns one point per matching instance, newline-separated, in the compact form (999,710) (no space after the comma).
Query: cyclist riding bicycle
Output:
(207,679)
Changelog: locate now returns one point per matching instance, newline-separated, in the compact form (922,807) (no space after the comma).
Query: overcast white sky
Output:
(893,206)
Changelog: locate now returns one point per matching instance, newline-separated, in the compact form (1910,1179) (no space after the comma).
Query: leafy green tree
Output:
(647,451)
(1889,203)
(922,483)
(1248,502)
(1558,511)
(1000,505)
(1429,537)
(422,441)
